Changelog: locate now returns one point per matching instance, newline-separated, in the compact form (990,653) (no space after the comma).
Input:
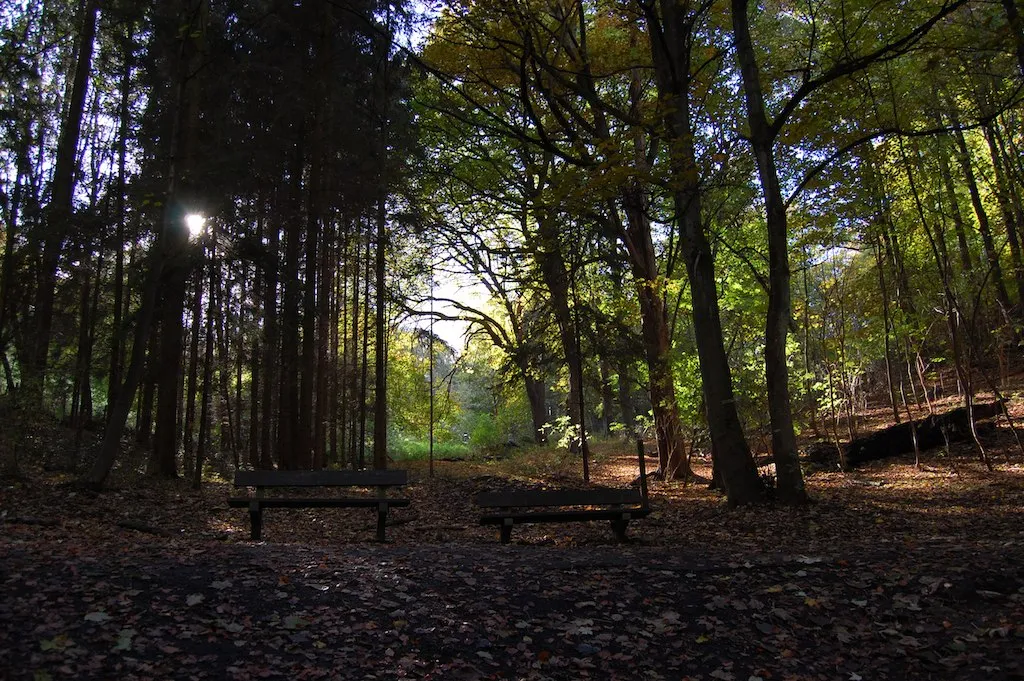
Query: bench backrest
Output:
(569,497)
(391,478)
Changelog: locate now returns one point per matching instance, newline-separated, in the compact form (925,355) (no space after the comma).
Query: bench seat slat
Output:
(581,497)
(327,502)
(388,478)
(563,516)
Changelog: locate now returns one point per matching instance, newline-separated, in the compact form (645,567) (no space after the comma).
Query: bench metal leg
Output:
(619,528)
(382,515)
(256,519)
(506,531)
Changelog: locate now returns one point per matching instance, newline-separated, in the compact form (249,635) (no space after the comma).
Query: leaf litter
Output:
(919,578)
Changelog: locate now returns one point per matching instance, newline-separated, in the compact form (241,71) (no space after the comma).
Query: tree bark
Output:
(998,282)
(551,262)
(60,208)
(270,350)
(177,250)
(1005,201)
(671,37)
(288,450)
(117,332)
(954,203)
(789,477)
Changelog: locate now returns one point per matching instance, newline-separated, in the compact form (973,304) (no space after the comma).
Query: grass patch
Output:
(419,450)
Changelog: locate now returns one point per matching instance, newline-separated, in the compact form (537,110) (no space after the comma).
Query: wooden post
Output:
(643,469)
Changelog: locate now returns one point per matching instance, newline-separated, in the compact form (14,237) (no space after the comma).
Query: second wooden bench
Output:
(618,506)
(264,480)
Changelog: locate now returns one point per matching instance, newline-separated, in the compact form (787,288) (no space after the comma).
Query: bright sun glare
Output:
(195,223)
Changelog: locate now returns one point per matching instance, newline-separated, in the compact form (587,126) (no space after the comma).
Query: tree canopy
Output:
(717,226)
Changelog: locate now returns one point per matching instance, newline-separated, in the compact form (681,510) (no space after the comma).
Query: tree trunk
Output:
(1005,201)
(549,258)
(60,208)
(288,401)
(192,382)
(964,157)
(380,359)
(607,396)
(364,384)
(271,351)
(117,332)
(206,395)
(790,481)
(671,37)
(954,203)
(1016,30)
(144,420)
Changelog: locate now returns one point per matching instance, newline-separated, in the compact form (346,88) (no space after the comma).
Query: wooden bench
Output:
(618,506)
(263,480)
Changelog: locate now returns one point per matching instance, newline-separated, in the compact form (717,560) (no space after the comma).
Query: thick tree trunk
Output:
(657,340)
(535,395)
(789,477)
(671,37)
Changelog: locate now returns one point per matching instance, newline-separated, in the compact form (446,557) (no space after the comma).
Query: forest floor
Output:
(896,571)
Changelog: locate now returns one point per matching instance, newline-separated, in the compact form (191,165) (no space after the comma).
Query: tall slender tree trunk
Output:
(1016,30)
(380,359)
(549,258)
(324,316)
(364,381)
(959,226)
(178,253)
(288,449)
(192,382)
(117,330)
(147,397)
(13,220)
(790,480)
(59,210)
(991,254)
(887,321)
(636,237)
(270,351)
(166,254)
(1005,201)
(657,338)
(671,36)
(206,394)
